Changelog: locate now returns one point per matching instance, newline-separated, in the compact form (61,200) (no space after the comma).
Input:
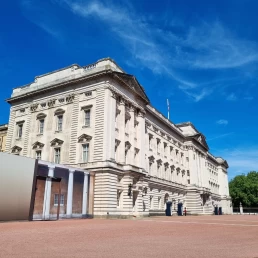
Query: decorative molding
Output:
(159,161)
(86,107)
(41,116)
(56,142)
(69,98)
(84,138)
(51,103)
(38,145)
(127,145)
(88,94)
(59,111)
(151,159)
(34,107)
(16,149)
(61,100)
(117,142)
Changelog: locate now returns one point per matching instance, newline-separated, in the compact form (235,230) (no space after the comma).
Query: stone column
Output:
(141,140)
(69,206)
(131,136)
(110,151)
(47,193)
(121,123)
(85,195)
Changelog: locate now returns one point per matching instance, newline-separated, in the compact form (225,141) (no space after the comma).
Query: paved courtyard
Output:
(191,236)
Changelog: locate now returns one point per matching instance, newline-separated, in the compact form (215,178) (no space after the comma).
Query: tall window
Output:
(57,155)
(41,125)
(19,130)
(87,117)
(85,152)
(61,199)
(59,122)
(38,154)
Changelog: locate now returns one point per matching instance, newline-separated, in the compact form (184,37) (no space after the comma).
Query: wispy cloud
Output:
(242,160)
(220,136)
(232,97)
(201,47)
(222,122)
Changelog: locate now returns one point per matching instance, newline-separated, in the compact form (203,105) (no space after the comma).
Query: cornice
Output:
(57,85)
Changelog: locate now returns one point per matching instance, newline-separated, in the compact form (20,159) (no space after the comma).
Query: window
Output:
(57,155)
(41,125)
(19,130)
(188,173)
(61,199)
(85,152)
(87,117)
(38,154)
(150,139)
(150,164)
(118,198)
(59,123)
(158,146)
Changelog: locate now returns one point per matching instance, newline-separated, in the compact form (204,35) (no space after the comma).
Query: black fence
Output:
(246,209)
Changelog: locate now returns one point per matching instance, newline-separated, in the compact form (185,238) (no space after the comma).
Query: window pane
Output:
(57,156)
(87,117)
(85,152)
(20,131)
(41,125)
(38,154)
(59,123)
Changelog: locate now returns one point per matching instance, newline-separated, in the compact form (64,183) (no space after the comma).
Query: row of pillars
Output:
(69,206)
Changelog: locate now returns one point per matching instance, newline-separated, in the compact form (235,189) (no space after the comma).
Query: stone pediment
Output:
(84,138)
(200,138)
(56,142)
(133,84)
(16,149)
(38,145)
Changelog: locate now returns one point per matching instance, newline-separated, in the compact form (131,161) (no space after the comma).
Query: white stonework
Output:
(98,118)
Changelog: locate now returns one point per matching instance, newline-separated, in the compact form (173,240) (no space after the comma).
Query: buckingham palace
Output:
(98,119)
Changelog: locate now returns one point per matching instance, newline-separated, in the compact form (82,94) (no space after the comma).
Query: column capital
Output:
(71,170)
(51,167)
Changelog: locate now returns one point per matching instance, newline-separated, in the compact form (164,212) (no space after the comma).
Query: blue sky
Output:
(201,55)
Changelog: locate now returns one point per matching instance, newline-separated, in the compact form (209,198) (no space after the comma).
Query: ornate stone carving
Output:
(117,142)
(56,142)
(34,107)
(37,145)
(69,98)
(127,145)
(84,138)
(51,103)
(41,116)
(61,100)
(16,149)
(151,159)
(159,161)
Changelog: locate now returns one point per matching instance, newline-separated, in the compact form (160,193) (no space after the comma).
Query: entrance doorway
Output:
(43,197)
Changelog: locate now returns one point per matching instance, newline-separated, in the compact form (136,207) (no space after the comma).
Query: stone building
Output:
(3,135)
(99,118)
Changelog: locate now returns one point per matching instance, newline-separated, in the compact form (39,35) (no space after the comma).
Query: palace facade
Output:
(98,118)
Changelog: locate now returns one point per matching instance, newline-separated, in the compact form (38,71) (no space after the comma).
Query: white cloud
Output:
(203,46)
(222,122)
(232,97)
(220,136)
